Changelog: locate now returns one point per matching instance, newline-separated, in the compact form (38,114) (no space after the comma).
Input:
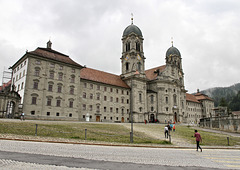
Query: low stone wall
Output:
(229,123)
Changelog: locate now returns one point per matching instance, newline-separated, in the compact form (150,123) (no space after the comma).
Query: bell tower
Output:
(132,59)
(133,71)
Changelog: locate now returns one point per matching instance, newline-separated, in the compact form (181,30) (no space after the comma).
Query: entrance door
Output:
(175,117)
(152,119)
(97,118)
(122,120)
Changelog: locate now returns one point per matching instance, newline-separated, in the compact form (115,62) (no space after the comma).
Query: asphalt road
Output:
(40,155)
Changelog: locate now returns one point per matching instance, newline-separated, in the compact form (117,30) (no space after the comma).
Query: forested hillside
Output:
(229,96)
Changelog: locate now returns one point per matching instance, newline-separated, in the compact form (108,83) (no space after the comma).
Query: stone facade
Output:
(54,87)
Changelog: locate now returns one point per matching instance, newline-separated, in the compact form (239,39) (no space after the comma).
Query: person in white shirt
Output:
(166,131)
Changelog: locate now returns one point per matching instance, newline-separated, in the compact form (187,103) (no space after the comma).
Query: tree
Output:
(235,103)
(223,102)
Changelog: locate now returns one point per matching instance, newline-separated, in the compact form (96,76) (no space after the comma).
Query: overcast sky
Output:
(206,32)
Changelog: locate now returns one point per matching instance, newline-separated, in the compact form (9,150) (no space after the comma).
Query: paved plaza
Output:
(43,155)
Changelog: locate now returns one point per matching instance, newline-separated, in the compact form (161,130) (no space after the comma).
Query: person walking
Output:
(198,139)
(174,128)
(166,131)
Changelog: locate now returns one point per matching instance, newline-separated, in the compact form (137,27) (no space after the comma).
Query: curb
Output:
(123,145)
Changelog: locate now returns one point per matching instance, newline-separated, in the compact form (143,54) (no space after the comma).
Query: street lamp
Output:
(131,110)
(131,104)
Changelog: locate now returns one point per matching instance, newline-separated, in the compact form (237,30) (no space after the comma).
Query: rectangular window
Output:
(33,112)
(71,90)
(98,108)
(37,72)
(50,87)
(105,109)
(105,88)
(122,92)
(116,100)
(51,75)
(60,76)
(111,109)
(98,96)
(85,85)
(58,103)
(35,85)
(90,107)
(91,86)
(91,96)
(116,110)
(71,104)
(111,99)
(34,100)
(111,90)
(72,79)
(122,100)
(59,89)
(49,102)
(98,87)
(105,98)
(48,113)
(84,95)
(84,106)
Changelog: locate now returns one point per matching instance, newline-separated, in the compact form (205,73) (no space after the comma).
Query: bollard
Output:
(228,140)
(85,134)
(169,138)
(36,130)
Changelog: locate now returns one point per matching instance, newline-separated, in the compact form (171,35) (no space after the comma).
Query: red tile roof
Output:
(102,77)
(54,55)
(151,74)
(201,96)
(191,98)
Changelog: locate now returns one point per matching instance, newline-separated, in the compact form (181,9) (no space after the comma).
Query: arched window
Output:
(175,99)
(137,46)
(128,46)
(152,98)
(127,66)
(139,65)
(140,97)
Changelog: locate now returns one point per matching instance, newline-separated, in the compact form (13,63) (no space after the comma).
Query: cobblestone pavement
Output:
(108,156)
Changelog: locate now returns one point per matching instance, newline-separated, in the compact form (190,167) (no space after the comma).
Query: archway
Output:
(152,119)
(175,117)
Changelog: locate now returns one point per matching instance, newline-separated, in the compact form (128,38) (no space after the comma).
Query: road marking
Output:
(223,158)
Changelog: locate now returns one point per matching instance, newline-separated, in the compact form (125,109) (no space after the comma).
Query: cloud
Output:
(205,32)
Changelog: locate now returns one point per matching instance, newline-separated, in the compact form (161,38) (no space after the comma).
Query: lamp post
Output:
(131,111)
(131,105)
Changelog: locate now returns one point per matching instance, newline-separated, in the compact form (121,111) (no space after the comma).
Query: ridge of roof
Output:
(102,77)
(192,98)
(54,55)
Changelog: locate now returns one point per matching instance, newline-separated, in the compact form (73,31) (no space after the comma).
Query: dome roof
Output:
(132,28)
(173,51)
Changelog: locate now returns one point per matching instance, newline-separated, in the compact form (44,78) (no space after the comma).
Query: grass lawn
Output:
(208,138)
(95,131)
(111,132)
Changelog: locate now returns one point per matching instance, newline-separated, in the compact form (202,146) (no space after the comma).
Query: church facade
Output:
(54,87)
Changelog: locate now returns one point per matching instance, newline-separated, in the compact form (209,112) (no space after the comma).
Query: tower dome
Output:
(173,51)
(132,28)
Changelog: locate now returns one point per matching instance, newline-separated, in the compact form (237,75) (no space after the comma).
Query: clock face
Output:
(138,57)
(127,57)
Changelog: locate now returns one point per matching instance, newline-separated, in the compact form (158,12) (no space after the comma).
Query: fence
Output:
(226,123)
